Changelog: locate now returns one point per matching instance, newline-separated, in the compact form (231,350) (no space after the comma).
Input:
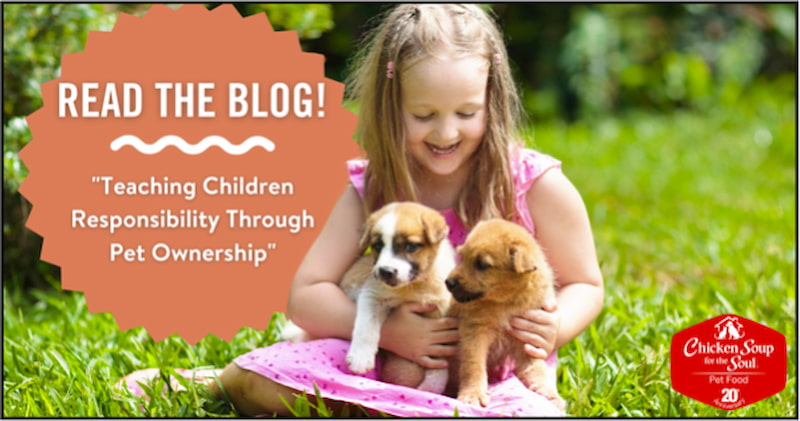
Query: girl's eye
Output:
(412,247)
(481,265)
(466,115)
(424,117)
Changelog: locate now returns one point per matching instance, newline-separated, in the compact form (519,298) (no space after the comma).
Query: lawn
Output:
(694,215)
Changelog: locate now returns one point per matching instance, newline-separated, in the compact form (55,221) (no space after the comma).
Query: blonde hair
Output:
(407,34)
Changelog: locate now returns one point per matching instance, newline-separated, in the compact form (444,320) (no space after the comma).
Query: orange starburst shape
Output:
(181,167)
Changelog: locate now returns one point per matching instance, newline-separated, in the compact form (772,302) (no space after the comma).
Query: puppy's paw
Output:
(540,386)
(474,397)
(536,378)
(558,402)
(551,394)
(360,361)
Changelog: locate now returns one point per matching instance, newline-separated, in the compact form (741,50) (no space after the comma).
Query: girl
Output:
(438,114)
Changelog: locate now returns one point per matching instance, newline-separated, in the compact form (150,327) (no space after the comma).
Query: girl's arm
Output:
(318,305)
(565,234)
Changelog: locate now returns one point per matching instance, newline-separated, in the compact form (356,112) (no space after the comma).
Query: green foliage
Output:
(617,51)
(592,58)
(309,20)
(586,61)
(35,38)
(17,134)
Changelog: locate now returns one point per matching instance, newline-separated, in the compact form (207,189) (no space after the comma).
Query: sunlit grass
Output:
(693,216)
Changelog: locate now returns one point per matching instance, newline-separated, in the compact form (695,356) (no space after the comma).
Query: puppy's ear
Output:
(521,258)
(366,234)
(435,227)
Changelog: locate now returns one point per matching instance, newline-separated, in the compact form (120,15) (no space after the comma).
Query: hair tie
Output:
(497,58)
(390,69)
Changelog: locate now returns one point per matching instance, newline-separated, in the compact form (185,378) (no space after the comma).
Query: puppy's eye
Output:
(481,265)
(377,246)
(412,247)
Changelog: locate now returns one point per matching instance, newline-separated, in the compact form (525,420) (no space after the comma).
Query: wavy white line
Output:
(189,149)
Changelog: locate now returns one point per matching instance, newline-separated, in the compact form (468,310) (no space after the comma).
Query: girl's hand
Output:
(426,341)
(537,329)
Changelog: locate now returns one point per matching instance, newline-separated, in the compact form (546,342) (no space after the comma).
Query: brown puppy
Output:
(502,273)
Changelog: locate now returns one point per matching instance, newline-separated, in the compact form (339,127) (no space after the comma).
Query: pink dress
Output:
(322,362)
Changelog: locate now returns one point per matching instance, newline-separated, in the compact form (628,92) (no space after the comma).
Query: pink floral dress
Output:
(322,362)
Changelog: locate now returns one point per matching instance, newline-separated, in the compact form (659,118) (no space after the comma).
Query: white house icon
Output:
(729,328)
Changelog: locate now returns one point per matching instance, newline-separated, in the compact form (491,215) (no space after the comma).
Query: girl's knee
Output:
(226,381)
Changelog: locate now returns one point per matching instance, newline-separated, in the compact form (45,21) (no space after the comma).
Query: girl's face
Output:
(444,112)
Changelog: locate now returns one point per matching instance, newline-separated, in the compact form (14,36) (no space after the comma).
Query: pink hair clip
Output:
(497,58)
(390,69)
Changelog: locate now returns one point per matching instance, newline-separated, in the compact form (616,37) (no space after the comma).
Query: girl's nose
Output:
(448,129)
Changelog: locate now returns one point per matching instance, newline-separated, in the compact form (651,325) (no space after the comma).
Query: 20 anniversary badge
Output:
(728,362)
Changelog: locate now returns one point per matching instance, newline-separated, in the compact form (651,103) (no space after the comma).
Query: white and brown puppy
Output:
(409,261)
(502,273)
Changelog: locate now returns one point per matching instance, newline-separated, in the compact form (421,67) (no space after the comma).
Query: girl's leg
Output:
(253,394)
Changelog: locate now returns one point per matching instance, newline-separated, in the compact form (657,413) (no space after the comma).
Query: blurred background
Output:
(576,64)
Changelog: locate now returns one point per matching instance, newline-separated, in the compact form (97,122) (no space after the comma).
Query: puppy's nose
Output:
(387,274)
(451,283)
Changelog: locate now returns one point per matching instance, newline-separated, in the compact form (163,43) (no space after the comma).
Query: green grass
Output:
(693,215)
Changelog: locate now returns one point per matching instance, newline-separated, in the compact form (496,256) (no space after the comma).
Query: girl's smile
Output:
(443,151)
